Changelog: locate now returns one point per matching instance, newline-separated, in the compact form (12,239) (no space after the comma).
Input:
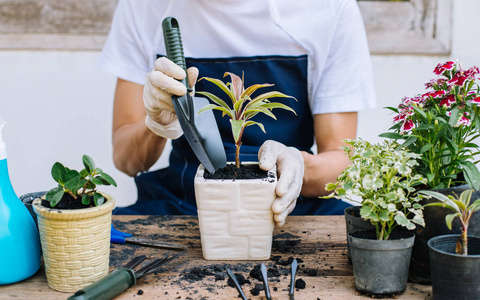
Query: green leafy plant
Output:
(381,178)
(462,208)
(442,125)
(79,185)
(243,108)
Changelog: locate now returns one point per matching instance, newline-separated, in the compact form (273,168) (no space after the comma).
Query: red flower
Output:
(407,126)
(459,79)
(448,101)
(399,118)
(476,101)
(443,67)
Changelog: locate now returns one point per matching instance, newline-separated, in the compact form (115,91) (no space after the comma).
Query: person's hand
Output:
(289,162)
(160,84)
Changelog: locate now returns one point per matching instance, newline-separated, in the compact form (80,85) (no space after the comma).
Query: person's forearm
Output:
(321,169)
(136,148)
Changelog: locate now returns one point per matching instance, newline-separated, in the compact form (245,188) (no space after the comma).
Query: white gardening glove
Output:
(160,84)
(289,162)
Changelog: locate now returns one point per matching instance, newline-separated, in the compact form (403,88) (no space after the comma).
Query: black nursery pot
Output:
(435,225)
(380,266)
(353,223)
(454,276)
(27,200)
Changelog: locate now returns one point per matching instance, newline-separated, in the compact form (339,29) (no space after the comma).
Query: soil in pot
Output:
(68,202)
(454,276)
(381,266)
(230,171)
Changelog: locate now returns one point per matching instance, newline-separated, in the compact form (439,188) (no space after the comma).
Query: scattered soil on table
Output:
(300,283)
(244,172)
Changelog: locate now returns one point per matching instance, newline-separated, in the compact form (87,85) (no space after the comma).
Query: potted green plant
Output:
(455,258)
(235,216)
(74,221)
(441,125)
(382,176)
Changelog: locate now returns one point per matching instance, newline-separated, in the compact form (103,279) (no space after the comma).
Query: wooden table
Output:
(317,242)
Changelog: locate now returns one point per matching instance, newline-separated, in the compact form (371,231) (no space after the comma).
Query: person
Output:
(315,51)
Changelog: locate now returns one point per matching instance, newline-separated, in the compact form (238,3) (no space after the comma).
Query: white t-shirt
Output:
(330,32)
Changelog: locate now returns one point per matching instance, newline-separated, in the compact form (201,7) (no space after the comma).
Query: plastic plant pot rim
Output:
(387,245)
(453,237)
(201,170)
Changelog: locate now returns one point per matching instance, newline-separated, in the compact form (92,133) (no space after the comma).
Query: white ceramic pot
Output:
(235,217)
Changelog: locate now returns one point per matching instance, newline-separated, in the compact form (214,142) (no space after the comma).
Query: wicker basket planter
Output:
(75,244)
(235,217)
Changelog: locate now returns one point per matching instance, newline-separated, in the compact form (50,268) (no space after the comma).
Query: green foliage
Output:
(462,207)
(80,185)
(243,106)
(382,177)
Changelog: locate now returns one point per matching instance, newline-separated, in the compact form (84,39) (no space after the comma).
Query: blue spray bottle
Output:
(19,238)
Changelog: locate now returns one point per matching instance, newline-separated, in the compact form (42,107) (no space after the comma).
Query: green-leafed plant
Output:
(462,208)
(243,108)
(442,125)
(79,185)
(382,176)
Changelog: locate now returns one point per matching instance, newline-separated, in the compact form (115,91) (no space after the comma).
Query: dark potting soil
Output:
(68,202)
(244,172)
(300,283)
(371,235)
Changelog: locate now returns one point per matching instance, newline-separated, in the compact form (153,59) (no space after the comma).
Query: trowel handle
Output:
(108,287)
(173,44)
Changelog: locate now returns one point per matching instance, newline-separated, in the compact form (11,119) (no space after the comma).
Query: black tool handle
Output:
(174,47)
(108,287)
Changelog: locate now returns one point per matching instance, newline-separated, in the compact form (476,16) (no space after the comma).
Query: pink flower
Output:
(408,125)
(476,101)
(440,68)
(459,79)
(448,101)
(399,118)
(472,72)
(463,121)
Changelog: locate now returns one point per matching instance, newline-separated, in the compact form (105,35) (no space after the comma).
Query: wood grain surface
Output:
(317,242)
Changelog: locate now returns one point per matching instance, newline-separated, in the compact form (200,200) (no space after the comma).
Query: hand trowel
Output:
(200,130)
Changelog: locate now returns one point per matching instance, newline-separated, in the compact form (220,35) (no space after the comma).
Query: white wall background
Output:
(58,105)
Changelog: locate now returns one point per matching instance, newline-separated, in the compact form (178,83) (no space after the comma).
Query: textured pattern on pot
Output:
(75,244)
(454,276)
(380,266)
(235,217)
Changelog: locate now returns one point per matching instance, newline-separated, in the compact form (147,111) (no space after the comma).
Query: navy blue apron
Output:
(170,191)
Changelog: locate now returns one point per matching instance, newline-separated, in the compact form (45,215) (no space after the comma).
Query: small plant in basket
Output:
(244,108)
(442,125)
(382,176)
(81,186)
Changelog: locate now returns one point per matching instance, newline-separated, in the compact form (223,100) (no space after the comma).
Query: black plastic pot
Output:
(380,266)
(434,226)
(27,200)
(353,223)
(454,276)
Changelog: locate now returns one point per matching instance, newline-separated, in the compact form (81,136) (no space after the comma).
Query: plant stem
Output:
(237,154)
